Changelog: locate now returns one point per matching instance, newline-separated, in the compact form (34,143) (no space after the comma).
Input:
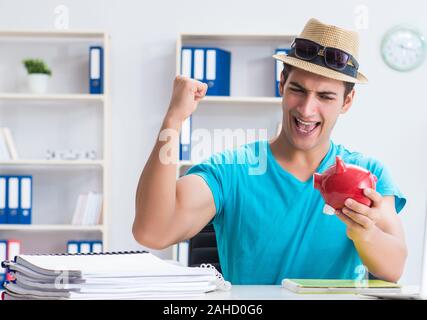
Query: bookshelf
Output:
(252,103)
(67,117)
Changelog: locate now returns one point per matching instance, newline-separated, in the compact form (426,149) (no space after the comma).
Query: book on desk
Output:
(314,286)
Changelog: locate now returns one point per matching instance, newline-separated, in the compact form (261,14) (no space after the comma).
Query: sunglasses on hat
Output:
(334,58)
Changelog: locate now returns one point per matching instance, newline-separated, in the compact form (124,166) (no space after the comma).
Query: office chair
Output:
(203,248)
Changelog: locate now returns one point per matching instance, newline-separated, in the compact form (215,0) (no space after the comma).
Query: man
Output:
(270,226)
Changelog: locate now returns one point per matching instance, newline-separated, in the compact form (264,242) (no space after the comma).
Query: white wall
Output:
(387,120)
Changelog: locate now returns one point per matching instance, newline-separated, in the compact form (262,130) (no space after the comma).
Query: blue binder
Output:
(85,247)
(96,70)
(217,73)
(96,246)
(73,247)
(209,65)
(12,200)
(3,199)
(25,199)
(185,140)
(279,68)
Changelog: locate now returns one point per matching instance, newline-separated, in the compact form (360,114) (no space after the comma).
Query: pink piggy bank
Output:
(342,181)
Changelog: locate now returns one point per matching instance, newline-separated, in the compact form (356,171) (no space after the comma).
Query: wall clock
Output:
(403,48)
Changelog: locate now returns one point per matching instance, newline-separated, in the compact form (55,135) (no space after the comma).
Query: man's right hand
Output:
(185,97)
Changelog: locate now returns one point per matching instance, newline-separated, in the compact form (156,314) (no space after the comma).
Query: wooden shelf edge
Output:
(53,163)
(49,227)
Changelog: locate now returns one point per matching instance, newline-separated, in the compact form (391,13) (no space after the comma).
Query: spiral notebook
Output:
(113,275)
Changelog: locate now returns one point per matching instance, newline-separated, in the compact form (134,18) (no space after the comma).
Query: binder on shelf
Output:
(7,134)
(279,68)
(199,64)
(85,247)
(13,200)
(73,247)
(96,70)
(186,62)
(96,247)
(3,256)
(25,207)
(209,65)
(3,200)
(218,63)
(185,140)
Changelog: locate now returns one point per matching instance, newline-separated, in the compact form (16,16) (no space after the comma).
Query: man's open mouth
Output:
(305,127)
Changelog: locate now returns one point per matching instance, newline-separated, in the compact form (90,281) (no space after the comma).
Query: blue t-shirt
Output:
(269,225)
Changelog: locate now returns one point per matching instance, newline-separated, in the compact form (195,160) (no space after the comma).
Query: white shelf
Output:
(257,37)
(47,163)
(49,227)
(61,34)
(242,100)
(52,97)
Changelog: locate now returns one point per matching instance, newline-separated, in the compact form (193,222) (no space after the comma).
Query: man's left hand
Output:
(360,219)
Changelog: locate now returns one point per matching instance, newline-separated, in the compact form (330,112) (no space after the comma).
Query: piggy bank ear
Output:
(339,165)
(317,181)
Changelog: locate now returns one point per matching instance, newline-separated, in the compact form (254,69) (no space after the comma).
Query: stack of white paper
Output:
(128,275)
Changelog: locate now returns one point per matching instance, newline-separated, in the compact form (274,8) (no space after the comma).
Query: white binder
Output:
(199,64)
(210,64)
(186,62)
(13,200)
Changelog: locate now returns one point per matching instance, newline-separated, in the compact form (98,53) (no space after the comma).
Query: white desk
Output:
(273,292)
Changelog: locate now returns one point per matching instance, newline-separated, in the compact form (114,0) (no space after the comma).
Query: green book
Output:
(314,286)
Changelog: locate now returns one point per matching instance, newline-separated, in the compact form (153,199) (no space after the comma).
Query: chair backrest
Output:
(203,248)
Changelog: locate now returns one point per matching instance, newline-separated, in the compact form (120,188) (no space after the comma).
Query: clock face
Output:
(403,49)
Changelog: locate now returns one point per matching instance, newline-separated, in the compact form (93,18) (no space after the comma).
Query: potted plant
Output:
(38,75)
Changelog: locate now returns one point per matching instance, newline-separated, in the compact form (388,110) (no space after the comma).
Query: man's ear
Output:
(281,83)
(348,101)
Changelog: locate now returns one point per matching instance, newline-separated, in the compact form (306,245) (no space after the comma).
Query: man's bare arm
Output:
(168,211)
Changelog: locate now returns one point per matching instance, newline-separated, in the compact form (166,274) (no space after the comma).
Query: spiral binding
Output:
(92,253)
(221,283)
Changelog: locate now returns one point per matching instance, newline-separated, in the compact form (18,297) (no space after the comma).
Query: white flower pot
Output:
(37,82)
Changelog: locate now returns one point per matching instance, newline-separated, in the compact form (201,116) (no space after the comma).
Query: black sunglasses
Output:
(334,58)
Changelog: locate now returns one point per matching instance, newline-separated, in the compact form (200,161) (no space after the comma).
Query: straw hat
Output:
(327,36)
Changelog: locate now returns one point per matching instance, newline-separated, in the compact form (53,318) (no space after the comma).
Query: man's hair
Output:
(348,86)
